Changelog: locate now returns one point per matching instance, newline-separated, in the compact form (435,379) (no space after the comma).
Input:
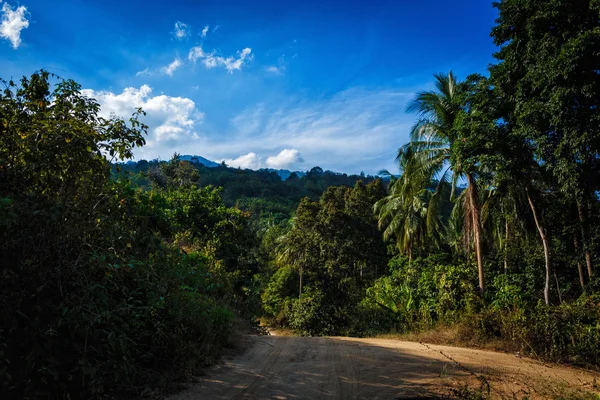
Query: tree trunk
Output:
(476,231)
(588,256)
(505,247)
(579,268)
(558,287)
(301,273)
(546,247)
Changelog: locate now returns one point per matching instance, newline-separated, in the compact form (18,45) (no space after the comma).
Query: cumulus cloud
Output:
(169,69)
(204,31)
(171,120)
(212,60)
(248,161)
(287,158)
(12,23)
(351,131)
(181,30)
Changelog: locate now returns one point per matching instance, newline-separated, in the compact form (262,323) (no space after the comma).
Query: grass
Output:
(457,335)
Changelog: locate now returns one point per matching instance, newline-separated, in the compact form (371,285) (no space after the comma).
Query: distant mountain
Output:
(200,160)
(285,173)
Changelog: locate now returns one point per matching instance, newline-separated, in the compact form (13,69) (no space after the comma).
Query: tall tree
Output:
(432,140)
(548,69)
(504,158)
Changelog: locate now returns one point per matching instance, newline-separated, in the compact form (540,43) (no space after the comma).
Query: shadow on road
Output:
(327,368)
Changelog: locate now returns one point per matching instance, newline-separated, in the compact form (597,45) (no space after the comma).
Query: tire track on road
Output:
(278,355)
(344,368)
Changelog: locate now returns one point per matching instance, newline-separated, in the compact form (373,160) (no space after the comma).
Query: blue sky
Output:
(259,83)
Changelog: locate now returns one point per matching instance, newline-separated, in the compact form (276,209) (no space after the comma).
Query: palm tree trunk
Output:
(579,268)
(474,209)
(588,256)
(546,247)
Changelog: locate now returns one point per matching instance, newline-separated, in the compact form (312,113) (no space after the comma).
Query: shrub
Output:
(311,315)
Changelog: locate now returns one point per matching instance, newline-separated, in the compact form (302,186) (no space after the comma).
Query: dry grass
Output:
(281,332)
(457,335)
(269,326)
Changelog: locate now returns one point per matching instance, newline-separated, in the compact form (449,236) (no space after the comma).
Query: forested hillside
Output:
(123,280)
(263,193)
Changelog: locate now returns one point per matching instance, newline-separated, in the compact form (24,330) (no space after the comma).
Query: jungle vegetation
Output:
(121,280)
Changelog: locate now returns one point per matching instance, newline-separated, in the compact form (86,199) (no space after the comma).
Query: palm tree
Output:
(410,214)
(432,137)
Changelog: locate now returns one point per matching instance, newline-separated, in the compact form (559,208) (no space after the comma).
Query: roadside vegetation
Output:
(106,289)
(122,280)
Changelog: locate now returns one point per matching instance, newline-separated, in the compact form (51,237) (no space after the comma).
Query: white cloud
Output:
(181,30)
(274,70)
(208,59)
(145,72)
(12,23)
(279,68)
(248,161)
(169,69)
(353,130)
(171,120)
(287,158)
(204,31)
(211,60)
(245,53)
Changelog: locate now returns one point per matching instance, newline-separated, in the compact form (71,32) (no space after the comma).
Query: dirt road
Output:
(284,367)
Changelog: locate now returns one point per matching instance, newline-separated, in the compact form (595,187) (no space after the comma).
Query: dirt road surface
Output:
(285,367)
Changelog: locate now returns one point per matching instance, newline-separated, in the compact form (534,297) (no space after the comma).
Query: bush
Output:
(370,319)
(423,292)
(283,284)
(569,332)
(311,315)
(97,298)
